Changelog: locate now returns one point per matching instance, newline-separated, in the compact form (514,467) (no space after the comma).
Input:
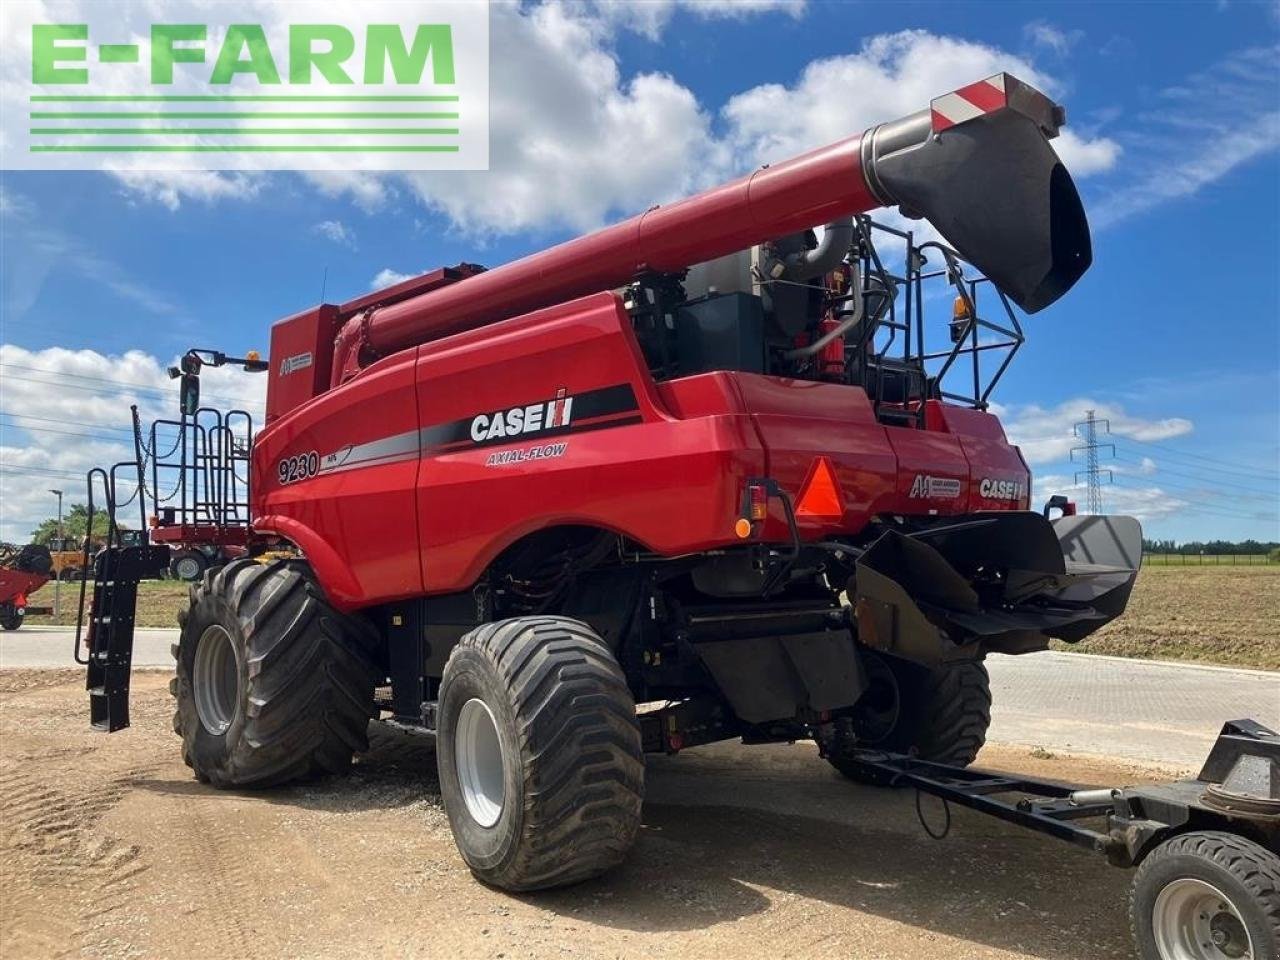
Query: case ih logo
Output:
(947,488)
(518,421)
(993,489)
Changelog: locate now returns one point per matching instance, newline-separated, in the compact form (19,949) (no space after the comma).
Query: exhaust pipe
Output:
(978,165)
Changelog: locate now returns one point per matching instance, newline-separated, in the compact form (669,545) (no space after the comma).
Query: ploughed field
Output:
(110,848)
(1212,614)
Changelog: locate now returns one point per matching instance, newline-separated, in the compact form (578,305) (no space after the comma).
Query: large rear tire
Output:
(272,683)
(539,753)
(940,714)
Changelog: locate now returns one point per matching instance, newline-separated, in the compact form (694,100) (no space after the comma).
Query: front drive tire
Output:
(1207,895)
(272,683)
(539,755)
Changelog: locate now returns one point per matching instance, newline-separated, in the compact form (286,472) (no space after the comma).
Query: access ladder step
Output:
(116,573)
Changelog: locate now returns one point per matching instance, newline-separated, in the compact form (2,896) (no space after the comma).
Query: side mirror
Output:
(189,396)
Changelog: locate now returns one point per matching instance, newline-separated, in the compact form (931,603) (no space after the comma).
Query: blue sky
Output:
(1175,131)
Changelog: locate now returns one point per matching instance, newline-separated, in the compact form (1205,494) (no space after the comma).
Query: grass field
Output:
(158,602)
(1205,559)
(1212,614)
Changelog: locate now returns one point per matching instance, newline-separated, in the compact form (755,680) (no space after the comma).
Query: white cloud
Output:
(650,17)
(386,277)
(37,253)
(1201,130)
(1046,435)
(590,144)
(575,143)
(1046,35)
(571,141)
(81,399)
(1147,503)
(170,188)
(337,231)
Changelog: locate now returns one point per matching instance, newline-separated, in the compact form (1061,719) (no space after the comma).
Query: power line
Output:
(1201,509)
(69,423)
(118,384)
(154,393)
(1087,430)
(1217,463)
(1209,481)
(65,433)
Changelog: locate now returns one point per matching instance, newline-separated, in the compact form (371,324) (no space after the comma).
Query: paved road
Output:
(1069,702)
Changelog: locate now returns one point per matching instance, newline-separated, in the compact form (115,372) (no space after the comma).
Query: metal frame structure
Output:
(909,325)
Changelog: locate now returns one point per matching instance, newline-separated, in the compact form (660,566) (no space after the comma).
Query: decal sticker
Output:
(939,488)
(300,467)
(295,363)
(993,489)
(613,406)
(545,452)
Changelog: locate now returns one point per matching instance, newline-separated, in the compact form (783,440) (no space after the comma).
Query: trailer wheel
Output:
(11,617)
(939,715)
(1207,896)
(539,753)
(188,565)
(272,683)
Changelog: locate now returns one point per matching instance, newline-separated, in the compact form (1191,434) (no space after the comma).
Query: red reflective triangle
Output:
(820,495)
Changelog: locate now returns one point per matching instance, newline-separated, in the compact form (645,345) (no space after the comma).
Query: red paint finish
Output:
(404,501)
(357,526)
(301,354)
(814,188)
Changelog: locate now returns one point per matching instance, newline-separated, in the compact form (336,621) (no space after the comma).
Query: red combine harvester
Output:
(705,462)
(23,571)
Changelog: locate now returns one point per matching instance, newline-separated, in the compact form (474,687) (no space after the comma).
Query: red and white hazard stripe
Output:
(985,96)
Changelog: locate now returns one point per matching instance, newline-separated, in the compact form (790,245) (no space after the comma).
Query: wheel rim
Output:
(877,710)
(187,568)
(478,757)
(215,680)
(1194,920)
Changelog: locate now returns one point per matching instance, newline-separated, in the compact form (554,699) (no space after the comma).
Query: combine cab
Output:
(705,458)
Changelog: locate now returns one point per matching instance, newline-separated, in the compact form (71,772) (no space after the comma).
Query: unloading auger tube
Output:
(977,164)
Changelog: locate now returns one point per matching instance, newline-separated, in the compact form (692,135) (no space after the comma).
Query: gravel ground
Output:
(109,848)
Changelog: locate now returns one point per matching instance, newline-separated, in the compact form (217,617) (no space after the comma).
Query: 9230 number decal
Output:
(301,467)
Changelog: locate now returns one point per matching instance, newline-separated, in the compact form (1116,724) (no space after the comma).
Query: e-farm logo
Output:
(397,84)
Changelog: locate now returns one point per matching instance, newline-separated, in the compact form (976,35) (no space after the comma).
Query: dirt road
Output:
(109,848)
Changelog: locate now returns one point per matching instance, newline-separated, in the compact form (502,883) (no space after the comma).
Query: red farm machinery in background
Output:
(703,460)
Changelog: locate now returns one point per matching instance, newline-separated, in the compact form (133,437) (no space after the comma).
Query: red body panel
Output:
(399,482)
(17,585)
(301,355)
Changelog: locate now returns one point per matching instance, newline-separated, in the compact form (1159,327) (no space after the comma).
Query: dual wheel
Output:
(538,746)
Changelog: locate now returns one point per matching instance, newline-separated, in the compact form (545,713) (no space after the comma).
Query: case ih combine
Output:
(704,462)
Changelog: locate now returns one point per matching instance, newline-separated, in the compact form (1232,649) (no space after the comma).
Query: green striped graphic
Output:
(241,148)
(242,98)
(246,131)
(261,114)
